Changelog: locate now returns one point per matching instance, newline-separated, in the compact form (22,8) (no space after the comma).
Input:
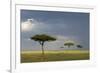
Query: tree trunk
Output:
(43,51)
(68,46)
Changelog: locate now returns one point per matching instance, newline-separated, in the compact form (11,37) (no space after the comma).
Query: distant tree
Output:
(62,47)
(68,44)
(42,38)
(79,46)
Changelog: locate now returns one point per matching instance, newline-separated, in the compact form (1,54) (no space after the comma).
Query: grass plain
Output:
(65,55)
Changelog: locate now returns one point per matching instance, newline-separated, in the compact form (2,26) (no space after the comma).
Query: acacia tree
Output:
(79,46)
(61,47)
(68,44)
(42,38)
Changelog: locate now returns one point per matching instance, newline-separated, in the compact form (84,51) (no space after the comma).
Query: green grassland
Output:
(36,56)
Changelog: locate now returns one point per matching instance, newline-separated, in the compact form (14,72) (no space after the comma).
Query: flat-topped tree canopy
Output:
(43,37)
(69,43)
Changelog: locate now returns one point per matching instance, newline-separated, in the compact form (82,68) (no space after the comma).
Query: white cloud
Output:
(27,25)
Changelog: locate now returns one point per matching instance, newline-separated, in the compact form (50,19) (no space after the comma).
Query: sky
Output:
(65,26)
